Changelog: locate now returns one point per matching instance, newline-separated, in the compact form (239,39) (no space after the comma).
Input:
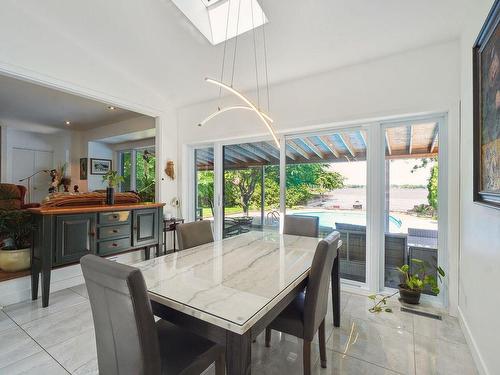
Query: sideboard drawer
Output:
(114,231)
(113,246)
(117,217)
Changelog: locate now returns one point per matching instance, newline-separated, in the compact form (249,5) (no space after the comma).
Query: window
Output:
(326,177)
(138,168)
(204,182)
(411,198)
(251,187)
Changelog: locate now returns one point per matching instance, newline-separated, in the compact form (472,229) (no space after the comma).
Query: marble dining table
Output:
(230,290)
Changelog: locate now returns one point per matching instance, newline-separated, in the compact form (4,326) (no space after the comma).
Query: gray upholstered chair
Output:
(194,234)
(128,339)
(305,315)
(301,225)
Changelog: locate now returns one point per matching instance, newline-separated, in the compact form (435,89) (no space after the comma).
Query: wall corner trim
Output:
(476,355)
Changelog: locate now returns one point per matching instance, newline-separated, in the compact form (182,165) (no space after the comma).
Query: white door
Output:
(44,160)
(26,162)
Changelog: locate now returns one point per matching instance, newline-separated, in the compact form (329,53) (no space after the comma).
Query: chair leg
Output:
(322,344)
(220,364)
(268,337)
(306,360)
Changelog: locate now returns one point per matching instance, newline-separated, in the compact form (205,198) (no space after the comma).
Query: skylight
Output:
(210,17)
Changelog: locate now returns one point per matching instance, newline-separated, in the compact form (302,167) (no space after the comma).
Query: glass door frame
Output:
(375,190)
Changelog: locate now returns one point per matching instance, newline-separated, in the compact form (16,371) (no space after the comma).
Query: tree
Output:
(205,189)
(432,187)
(245,181)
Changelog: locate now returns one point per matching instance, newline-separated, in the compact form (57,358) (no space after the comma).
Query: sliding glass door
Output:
(376,184)
(326,177)
(411,198)
(204,183)
(250,187)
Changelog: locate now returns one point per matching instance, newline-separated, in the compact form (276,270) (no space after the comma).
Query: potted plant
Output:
(15,229)
(414,283)
(113,179)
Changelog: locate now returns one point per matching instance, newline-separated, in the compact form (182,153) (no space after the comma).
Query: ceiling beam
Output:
(313,147)
(233,154)
(434,139)
(294,146)
(388,143)
(344,138)
(410,143)
(329,145)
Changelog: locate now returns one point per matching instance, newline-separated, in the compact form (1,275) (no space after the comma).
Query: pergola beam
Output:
(363,137)
(270,150)
(329,145)
(388,143)
(233,154)
(253,150)
(410,142)
(313,147)
(344,138)
(434,139)
(294,146)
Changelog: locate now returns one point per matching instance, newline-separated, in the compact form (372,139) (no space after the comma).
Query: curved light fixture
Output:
(226,109)
(250,104)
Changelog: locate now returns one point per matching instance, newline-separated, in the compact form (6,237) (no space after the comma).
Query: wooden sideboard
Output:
(64,234)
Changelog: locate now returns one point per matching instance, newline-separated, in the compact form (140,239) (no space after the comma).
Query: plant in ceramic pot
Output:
(113,179)
(15,229)
(414,283)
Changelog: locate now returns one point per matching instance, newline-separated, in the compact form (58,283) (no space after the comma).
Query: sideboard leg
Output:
(45,287)
(147,252)
(35,277)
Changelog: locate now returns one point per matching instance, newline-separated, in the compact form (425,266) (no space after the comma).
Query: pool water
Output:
(329,218)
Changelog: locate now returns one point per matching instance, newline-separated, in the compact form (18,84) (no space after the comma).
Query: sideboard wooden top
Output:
(92,208)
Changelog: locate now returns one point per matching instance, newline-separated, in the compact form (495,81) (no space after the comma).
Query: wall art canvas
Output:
(486,93)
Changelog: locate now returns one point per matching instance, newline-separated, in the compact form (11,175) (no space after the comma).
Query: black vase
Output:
(110,195)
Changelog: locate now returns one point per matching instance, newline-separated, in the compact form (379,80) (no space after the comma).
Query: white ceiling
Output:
(152,43)
(26,106)
(130,137)
(155,41)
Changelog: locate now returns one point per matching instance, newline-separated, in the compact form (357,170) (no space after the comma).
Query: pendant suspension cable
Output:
(225,47)
(265,56)
(255,57)
(236,41)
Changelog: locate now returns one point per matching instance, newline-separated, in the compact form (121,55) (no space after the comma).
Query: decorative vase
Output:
(15,260)
(110,195)
(409,296)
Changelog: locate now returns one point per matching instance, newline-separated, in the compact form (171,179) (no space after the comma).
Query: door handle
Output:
(115,231)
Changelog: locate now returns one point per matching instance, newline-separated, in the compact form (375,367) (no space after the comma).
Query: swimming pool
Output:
(329,218)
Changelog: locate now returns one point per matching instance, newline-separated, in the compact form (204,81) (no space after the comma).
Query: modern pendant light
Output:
(250,106)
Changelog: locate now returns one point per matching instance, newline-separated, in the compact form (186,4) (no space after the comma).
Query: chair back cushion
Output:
(126,335)
(316,301)
(194,234)
(11,197)
(301,225)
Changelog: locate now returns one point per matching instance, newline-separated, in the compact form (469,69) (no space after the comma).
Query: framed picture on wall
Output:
(100,166)
(486,97)
(83,168)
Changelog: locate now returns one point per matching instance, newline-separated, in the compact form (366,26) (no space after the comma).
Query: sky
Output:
(355,172)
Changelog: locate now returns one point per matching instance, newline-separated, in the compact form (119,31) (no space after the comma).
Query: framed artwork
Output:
(486,97)
(100,166)
(83,168)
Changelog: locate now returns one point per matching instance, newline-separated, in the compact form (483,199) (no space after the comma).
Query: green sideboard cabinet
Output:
(63,235)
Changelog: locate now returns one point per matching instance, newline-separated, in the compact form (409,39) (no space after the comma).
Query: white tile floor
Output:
(60,340)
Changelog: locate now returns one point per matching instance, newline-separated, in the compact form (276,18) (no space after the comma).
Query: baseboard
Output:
(478,359)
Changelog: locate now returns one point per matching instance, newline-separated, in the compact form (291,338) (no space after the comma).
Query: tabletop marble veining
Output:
(233,282)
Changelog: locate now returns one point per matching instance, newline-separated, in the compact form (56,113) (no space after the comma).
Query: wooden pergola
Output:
(418,141)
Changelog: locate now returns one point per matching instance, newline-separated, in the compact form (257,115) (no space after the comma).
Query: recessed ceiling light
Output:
(111,108)
(67,122)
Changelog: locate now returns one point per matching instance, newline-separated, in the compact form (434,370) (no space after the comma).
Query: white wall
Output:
(479,300)
(59,143)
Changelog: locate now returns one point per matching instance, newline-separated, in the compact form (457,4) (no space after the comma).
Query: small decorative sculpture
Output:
(75,188)
(169,170)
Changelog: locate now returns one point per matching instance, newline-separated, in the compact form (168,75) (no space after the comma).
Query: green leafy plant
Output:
(380,303)
(15,227)
(420,279)
(112,178)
